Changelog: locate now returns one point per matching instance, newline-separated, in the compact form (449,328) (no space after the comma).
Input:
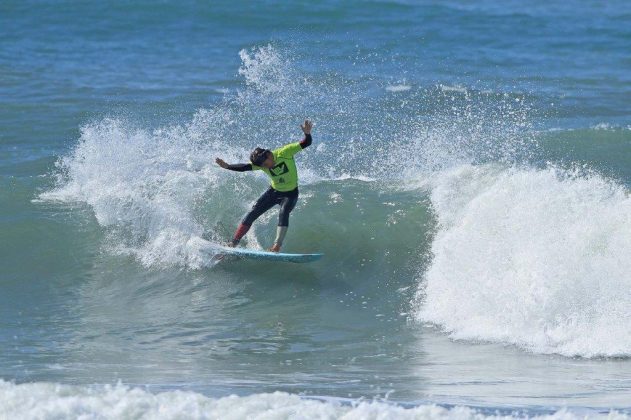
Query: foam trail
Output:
(54,401)
(533,258)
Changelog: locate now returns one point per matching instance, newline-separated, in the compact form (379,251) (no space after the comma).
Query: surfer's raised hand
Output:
(221,163)
(306,127)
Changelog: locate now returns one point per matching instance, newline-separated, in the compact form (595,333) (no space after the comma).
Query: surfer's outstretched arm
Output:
(306,128)
(239,167)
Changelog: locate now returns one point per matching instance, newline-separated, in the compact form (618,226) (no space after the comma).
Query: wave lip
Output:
(533,258)
(51,401)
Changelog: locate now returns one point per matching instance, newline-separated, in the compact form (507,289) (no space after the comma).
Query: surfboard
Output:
(254,254)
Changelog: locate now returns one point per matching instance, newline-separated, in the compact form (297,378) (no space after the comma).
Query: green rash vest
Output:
(284,175)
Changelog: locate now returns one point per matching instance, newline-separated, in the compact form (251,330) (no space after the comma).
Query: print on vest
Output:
(279,169)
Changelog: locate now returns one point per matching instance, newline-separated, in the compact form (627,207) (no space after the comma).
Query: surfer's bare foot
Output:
(275,248)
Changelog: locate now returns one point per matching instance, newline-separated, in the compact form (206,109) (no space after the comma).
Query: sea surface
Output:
(468,183)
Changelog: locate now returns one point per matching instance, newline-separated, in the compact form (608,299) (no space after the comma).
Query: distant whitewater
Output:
(53,401)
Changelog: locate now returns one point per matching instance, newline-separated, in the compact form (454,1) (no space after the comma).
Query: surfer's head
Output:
(262,157)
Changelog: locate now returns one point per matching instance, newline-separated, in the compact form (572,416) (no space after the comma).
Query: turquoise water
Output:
(468,185)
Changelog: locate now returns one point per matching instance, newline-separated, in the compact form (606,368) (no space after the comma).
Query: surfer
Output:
(279,165)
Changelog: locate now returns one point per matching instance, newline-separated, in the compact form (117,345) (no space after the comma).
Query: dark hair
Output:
(258,156)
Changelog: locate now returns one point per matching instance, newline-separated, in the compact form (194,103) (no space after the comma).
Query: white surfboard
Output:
(269,256)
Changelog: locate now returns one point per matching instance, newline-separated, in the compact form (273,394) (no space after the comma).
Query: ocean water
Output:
(468,182)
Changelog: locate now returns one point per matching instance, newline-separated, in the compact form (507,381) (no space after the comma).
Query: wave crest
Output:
(533,258)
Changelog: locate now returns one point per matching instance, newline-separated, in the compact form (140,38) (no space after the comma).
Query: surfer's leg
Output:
(287,204)
(263,204)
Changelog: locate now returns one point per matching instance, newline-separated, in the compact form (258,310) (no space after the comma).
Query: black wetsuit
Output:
(271,197)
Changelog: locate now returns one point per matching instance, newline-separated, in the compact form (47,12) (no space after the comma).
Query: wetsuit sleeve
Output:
(240,167)
(306,142)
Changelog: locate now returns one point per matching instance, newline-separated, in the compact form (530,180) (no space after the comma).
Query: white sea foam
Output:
(533,258)
(143,186)
(56,401)
(455,88)
(609,127)
(602,126)
(398,88)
